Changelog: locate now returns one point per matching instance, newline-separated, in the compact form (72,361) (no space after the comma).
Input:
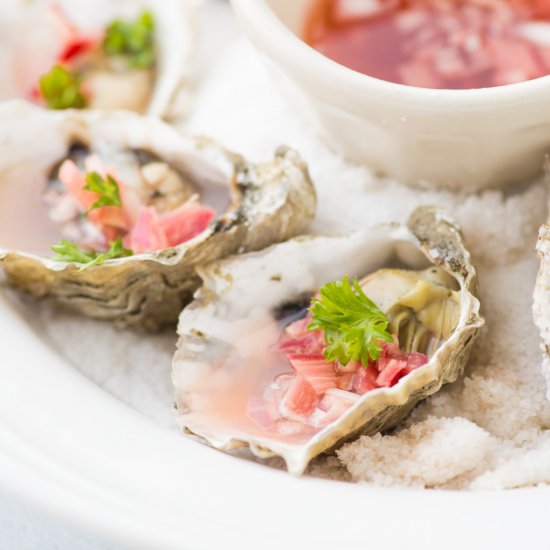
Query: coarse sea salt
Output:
(495,420)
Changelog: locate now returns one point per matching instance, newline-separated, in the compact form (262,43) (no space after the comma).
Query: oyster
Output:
(37,36)
(541,295)
(256,205)
(228,352)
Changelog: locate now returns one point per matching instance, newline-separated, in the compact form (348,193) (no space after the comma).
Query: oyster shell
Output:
(258,204)
(28,45)
(541,296)
(226,332)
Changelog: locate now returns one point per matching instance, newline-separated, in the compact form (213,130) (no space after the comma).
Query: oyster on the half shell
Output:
(255,205)
(227,352)
(35,36)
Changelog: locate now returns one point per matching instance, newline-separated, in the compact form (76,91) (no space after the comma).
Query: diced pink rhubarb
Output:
(392,373)
(185,222)
(315,369)
(311,342)
(299,400)
(364,379)
(390,350)
(146,236)
(345,381)
(74,181)
(352,366)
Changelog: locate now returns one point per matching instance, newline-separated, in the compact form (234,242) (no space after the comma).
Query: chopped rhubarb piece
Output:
(416,360)
(75,47)
(352,366)
(146,236)
(299,400)
(185,222)
(315,369)
(390,350)
(107,216)
(110,217)
(364,379)
(73,180)
(130,201)
(345,381)
(394,371)
(311,343)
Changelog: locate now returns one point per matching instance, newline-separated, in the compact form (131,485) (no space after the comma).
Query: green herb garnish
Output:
(107,188)
(353,324)
(132,39)
(60,89)
(67,251)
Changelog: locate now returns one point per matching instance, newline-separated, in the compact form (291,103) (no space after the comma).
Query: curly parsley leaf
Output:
(353,325)
(107,188)
(132,39)
(60,89)
(66,251)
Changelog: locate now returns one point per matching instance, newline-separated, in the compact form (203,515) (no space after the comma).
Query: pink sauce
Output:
(444,44)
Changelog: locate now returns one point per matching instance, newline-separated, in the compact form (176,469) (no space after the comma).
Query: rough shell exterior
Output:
(205,326)
(268,203)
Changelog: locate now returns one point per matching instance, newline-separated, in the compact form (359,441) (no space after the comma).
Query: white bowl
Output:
(458,139)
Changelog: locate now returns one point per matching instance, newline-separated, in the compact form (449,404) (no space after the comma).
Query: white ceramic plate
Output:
(68,446)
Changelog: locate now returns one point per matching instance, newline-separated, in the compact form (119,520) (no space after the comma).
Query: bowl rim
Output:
(289,50)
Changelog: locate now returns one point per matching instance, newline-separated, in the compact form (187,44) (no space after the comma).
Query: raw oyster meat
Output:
(254,205)
(229,356)
(37,36)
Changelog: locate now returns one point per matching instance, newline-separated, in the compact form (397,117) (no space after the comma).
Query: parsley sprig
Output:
(60,89)
(133,40)
(353,325)
(107,188)
(66,251)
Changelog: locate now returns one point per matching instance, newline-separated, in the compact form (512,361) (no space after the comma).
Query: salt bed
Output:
(489,430)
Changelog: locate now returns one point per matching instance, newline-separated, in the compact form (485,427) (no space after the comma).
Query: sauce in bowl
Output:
(444,44)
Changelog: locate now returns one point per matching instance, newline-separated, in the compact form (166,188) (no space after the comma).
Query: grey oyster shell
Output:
(267,203)
(237,290)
